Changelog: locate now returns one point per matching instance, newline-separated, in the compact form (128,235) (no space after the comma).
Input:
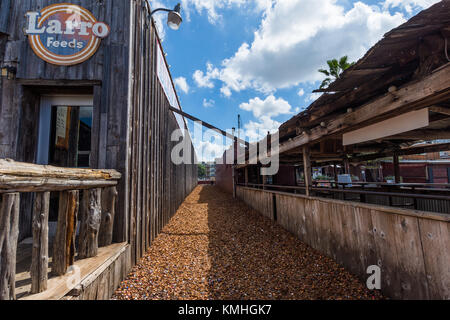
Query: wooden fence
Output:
(411,247)
(157,185)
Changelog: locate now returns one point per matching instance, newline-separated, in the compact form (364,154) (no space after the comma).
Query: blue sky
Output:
(259,58)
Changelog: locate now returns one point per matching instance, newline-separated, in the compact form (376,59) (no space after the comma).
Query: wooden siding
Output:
(260,201)
(157,186)
(411,247)
(132,124)
(105,76)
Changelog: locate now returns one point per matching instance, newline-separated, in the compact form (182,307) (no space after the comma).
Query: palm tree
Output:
(336,69)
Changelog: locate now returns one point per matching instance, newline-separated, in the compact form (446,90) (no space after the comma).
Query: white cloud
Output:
(209,150)
(270,107)
(225,91)
(264,111)
(296,38)
(212,7)
(301,92)
(263,5)
(208,103)
(205,80)
(182,84)
(313,96)
(409,5)
(256,131)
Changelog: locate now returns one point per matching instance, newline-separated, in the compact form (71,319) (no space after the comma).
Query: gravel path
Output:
(217,248)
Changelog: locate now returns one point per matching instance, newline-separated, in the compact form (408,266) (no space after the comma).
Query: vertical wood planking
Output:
(435,236)
(157,186)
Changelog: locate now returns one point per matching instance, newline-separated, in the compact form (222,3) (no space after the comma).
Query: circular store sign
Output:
(64,34)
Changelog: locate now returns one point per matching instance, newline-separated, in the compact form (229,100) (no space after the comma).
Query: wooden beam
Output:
(39,261)
(421,134)
(64,243)
(58,83)
(9,233)
(404,152)
(441,110)
(10,184)
(209,126)
(307,169)
(10,167)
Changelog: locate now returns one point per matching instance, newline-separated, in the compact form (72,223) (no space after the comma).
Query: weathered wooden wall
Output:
(105,76)
(224,177)
(132,124)
(157,185)
(411,247)
(260,201)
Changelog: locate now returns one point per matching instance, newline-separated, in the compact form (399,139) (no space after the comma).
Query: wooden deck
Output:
(58,287)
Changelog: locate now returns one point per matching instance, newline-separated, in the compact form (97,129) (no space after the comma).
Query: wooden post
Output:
(336,178)
(9,233)
(109,196)
(64,243)
(263,177)
(307,169)
(246,176)
(347,166)
(91,216)
(39,262)
(234,182)
(396,168)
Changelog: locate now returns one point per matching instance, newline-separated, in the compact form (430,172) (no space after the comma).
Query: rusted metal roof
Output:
(406,53)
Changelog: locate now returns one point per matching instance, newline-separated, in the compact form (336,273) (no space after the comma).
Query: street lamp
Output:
(174,19)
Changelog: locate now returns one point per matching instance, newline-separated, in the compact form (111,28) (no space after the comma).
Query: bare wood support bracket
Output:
(64,244)
(39,262)
(109,197)
(91,216)
(9,233)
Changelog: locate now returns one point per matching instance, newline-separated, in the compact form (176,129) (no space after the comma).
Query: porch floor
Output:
(58,286)
(219,248)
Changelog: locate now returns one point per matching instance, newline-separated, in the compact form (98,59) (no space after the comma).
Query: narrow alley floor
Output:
(218,248)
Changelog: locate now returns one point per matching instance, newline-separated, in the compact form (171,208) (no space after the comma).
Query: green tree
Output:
(201,171)
(335,70)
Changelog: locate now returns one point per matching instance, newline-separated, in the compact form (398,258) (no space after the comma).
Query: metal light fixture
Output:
(174,19)
(9,72)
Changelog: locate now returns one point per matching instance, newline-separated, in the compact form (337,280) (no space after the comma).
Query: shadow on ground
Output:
(218,248)
(253,258)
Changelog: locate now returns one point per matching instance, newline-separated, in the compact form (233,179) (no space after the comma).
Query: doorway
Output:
(65,129)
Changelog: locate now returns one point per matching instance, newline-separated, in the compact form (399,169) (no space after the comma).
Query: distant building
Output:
(210,170)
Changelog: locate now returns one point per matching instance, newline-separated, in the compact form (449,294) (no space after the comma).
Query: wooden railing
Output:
(415,192)
(97,210)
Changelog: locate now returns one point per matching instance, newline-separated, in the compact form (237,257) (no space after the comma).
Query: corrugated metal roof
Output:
(406,53)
